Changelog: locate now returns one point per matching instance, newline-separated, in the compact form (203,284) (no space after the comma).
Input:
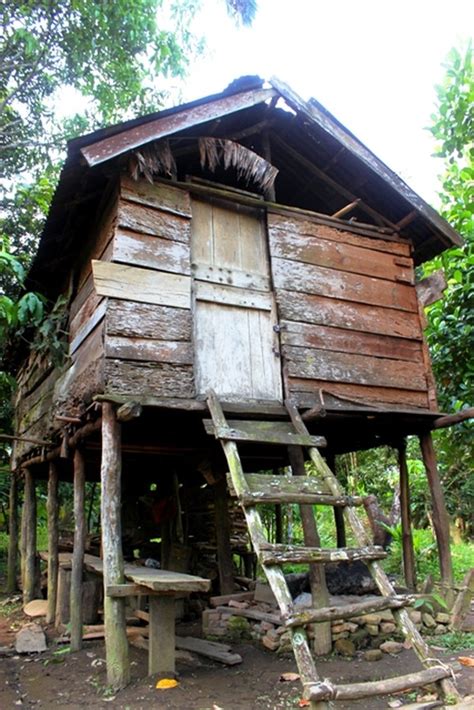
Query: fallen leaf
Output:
(166,683)
(304,703)
(466,660)
(290,676)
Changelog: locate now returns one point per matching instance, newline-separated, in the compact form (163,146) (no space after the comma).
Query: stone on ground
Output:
(345,647)
(30,639)
(391,647)
(373,654)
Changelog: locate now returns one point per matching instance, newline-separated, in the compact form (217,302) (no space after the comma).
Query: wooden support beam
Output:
(341,539)
(451,419)
(23,539)
(30,537)
(270,193)
(12,534)
(78,551)
(129,411)
(407,219)
(161,653)
(322,638)
(348,208)
(224,550)
(407,537)
(53,538)
(116,644)
(440,513)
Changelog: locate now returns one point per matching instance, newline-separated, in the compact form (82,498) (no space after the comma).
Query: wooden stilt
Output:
(116,644)
(224,550)
(23,538)
(53,535)
(13,534)
(317,576)
(78,551)
(440,513)
(30,537)
(338,512)
(407,538)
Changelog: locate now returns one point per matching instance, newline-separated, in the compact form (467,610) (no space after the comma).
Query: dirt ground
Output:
(52,680)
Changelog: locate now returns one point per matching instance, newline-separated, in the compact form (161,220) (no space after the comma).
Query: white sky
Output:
(373,64)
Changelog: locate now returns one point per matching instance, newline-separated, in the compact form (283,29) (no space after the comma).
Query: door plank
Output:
(230,296)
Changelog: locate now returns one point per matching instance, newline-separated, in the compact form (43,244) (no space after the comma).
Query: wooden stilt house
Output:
(243,255)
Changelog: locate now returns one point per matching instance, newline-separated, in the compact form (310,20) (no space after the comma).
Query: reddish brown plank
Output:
(147,321)
(318,280)
(340,340)
(357,369)
(152,252)
(148,220)
(345,314)
(359,393)
(147,350)
(340,255)
(306,227)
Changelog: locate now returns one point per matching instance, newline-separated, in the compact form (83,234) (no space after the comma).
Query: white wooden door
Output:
(236,347)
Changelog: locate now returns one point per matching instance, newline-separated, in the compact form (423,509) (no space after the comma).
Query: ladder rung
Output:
(280,554)
(301,498)
(331,613)
(282,433)
(261,484)
(325,690)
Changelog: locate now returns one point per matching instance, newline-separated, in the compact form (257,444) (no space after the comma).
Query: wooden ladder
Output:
(324,488)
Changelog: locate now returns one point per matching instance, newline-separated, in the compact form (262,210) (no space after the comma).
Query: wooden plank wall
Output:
(349,318)
(148,328)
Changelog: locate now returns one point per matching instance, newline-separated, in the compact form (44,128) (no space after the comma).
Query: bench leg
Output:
(161,653)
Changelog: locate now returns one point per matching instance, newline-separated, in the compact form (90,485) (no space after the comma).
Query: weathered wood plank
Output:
(161,653)
(88,326)
(265,432)
(218,652)
(338,339)
(338,254)
(230,296)
(349,315)
(282,554)
(142,285)
(165,197)
(298,224)
(231,276)
(135,378)
(357,369)
(359,394)
(318,280)
(98,242)
(145,320)
(285,484)
(151,252)
(430,289)
(149,220)
(87,309)
(148,350)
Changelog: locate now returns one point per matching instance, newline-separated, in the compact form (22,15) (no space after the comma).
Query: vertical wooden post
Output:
(78,551)
(440,513)
(12,534)
(407,538)
(23,535)
(317,575)
(53,536)
(116,644)
(161,651)
(278,516)
(224,550)
(338,512)
(30,538)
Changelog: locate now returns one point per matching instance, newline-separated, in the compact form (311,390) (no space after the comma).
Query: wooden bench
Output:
(162,587)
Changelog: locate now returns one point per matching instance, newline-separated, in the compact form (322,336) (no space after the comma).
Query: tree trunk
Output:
(407,539)
(440,513)
(78,551)
(116,643)
(13,534)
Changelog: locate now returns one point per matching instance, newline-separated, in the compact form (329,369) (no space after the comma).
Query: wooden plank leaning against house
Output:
(148,329)
(349,317)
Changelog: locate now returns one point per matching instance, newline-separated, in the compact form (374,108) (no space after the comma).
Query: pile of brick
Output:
(260,621)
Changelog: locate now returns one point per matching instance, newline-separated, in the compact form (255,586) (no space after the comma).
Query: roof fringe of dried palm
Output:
(249,165)
(153,159)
